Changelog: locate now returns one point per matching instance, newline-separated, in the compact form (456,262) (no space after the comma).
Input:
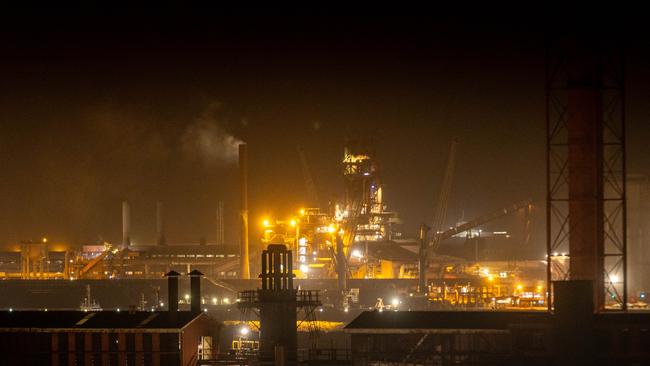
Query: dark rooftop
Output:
(444,319)
(177,249)
(95,320)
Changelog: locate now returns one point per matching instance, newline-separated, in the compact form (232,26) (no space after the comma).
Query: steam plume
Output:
(207,139)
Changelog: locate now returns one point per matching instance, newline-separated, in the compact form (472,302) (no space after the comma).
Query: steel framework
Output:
(611,291)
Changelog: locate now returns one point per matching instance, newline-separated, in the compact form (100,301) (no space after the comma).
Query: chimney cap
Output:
(195,273)
(172,274)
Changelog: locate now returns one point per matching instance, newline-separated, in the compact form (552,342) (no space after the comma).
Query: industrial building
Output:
(572,334)
(129,337)
(104,338)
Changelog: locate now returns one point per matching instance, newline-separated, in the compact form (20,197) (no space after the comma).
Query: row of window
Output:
(192,255)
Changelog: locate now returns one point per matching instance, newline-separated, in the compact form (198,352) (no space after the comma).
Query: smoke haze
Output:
(207,139)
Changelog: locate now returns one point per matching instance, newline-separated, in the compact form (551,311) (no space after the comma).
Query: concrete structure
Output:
(278,303)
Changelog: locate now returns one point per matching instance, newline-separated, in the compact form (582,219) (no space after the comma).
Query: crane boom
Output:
(306,175)
(443,197)
(481,220)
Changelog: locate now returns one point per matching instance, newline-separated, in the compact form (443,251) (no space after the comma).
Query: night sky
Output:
(98,109)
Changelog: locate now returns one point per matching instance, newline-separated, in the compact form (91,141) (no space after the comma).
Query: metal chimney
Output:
(220,228)
(244,270)
(126,225)
(160,224)
(172,291)
(195,291)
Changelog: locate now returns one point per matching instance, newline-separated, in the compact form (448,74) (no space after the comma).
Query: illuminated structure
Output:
(278,302)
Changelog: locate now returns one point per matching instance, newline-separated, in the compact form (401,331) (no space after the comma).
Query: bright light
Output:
(302,211)
(187,297)
(613,278)
(490,278)
(357,253)
(486,272)
(226,300)
(346,310)
(520,287)
(162,304)
(304,268)
(539,288)
(302,241)
(331,229)
(244,331)
(292,223)
(11,309)
(214,301)
(266,223)
(395,301)
(118,310)
(44,240)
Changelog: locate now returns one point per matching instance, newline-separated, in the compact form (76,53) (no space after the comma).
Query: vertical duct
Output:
(244,270)
(220,228)
(195,291)
(126,225)
(160,224)
(172,291)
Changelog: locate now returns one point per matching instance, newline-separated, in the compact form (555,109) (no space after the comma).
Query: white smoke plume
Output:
(207,139)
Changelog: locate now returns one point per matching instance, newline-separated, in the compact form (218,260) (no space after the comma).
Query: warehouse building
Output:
(105,338)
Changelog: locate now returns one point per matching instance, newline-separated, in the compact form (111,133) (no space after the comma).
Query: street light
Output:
(244,331)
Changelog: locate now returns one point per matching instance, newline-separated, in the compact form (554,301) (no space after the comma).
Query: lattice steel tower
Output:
(585,154)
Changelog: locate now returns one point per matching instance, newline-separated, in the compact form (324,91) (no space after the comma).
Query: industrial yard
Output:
(354,193)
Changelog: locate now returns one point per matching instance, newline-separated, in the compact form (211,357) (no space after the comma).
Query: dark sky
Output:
(98,109)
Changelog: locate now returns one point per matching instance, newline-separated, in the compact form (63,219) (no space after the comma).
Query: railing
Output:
(303,297)
(308,297)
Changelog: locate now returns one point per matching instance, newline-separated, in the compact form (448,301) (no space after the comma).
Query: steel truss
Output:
(612,256)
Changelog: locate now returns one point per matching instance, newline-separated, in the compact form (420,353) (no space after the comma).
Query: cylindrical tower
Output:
(244,270)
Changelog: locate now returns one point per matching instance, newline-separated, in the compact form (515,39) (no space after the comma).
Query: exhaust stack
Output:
(220,232)
(160,224)
(195,291)
(244,270)
(172,291)
(126,225)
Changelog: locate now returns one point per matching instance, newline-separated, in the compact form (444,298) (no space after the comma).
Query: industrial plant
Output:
(338,271)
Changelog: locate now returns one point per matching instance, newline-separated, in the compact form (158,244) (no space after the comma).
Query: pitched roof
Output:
(421,320)
(96,320)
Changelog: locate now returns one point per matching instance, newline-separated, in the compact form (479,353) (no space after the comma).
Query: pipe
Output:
(126,225)
(244,269)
